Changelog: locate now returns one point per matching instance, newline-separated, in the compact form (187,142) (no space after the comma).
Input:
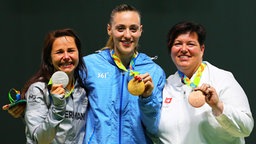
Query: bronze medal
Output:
(136,87)
(196,99)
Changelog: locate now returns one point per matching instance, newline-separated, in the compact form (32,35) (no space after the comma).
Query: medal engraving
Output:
(196,99)
(136,87)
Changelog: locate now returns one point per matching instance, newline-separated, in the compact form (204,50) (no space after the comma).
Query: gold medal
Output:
(136,87)
(196,99)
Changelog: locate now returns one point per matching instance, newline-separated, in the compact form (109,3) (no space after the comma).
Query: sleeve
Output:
(42,118)
(150,107)
(236,118)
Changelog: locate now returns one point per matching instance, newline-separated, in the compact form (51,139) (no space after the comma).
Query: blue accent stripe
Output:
(120,109)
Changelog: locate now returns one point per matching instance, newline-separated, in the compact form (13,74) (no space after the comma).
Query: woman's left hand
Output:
(211,98)
(149,86)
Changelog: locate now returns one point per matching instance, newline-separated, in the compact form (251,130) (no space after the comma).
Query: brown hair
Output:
(185,27)
(46,68)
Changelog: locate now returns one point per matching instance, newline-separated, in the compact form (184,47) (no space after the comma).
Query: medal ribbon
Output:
(197,78)
(17,95)
(13,101)
(68,93)
(122,67)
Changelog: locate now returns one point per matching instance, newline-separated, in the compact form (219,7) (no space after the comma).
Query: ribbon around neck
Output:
(122,67)
(197,78)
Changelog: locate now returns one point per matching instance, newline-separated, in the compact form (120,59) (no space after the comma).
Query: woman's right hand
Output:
(58,94)
(17,111)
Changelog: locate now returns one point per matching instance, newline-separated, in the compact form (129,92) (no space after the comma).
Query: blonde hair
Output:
(109,44)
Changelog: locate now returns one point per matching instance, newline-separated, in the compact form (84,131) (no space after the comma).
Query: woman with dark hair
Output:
(201,103)
(56,113)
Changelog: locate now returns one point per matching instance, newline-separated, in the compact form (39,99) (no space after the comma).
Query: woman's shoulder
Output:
(217,70)
(38,86)
(149,60)
(97,56)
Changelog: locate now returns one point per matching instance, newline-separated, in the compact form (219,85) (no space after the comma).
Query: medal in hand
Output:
(136,87)
(196,99)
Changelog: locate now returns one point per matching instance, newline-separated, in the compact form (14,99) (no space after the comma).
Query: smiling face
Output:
(64,54)
(126,30)
(187,53)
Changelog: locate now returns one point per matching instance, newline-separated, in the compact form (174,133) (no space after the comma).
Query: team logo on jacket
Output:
(75,115)
(102,75)
(167,100)
(32,98)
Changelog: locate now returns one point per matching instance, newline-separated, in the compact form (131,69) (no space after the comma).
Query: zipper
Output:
(120,109)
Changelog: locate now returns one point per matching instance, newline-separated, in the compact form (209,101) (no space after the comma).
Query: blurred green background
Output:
(229,45)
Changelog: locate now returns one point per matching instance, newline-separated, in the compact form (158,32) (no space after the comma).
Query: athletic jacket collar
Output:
(141,58)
